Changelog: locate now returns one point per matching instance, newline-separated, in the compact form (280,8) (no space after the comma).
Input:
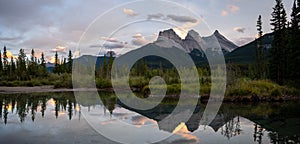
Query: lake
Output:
(60,118)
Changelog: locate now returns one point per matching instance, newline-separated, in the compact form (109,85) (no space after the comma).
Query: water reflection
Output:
(27,105)
(262,123)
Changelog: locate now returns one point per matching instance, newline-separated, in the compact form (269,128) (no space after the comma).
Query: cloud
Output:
(10,38)
(139,39)
(155,16)
(182,19)
(109,39)
(129,12)
(95,46)
(110,45)
(243,40)
(230,9)
(233,8)
(239,29)
(224,13)
(59,49)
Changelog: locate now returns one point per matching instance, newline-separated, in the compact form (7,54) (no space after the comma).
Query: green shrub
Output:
(276,92)
(103,83)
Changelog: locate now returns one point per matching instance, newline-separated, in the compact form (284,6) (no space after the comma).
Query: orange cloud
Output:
(60,49)
(129,12)
(233,8)
(224,13)
(230,9)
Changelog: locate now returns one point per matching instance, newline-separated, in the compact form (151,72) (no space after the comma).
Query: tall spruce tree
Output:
(43,61)
(43,68)
(1,64)
(260,56)
(5,61)
(294,19)
(21,65)
(70,62)
(12,68)
(294,45)
(279,55)
(56,68)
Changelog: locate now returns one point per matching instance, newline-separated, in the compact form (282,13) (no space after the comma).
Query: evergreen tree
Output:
(32,56)
(294,18)
(294,45)
(1,64)
(32,65)
(260,56)
(21,66)
(63,66)
(12,68)
(43,68)
(56,64)
(43,61)
(278,60)
(70,62)
(5,61)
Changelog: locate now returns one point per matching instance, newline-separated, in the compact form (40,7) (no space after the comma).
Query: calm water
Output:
(58,118)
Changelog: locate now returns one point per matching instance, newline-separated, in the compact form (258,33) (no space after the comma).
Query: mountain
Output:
(226,45)
(246,54)
(193,40)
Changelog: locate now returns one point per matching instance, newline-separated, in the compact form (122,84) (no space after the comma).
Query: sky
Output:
(99,25)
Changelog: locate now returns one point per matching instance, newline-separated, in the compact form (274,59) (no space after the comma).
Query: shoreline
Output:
(204,98)
(41,89)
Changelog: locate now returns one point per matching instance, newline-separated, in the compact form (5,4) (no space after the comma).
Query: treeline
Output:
(21,68)
(29,68)
(283,64)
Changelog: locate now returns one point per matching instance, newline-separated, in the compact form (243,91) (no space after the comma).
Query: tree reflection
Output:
(258,133)
(109,101)
(277,138)
(32,104)
(232,127)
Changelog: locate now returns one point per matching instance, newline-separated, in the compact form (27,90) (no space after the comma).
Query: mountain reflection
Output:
(280,122)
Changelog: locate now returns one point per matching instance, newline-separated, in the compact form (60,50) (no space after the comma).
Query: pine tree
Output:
(43,62)
(70,62)
(260,56)
(56,64)
(294,19)
(12,68)
(63,66)
(5,61)
(1,64)
(32,65)
(21,66)
(294,45)
(43,68)
(278,61)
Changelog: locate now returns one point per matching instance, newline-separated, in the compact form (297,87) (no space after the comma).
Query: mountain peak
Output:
(216,32)
(192,33)
(168,33)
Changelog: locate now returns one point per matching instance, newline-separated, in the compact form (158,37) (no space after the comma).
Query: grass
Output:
(262,89)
